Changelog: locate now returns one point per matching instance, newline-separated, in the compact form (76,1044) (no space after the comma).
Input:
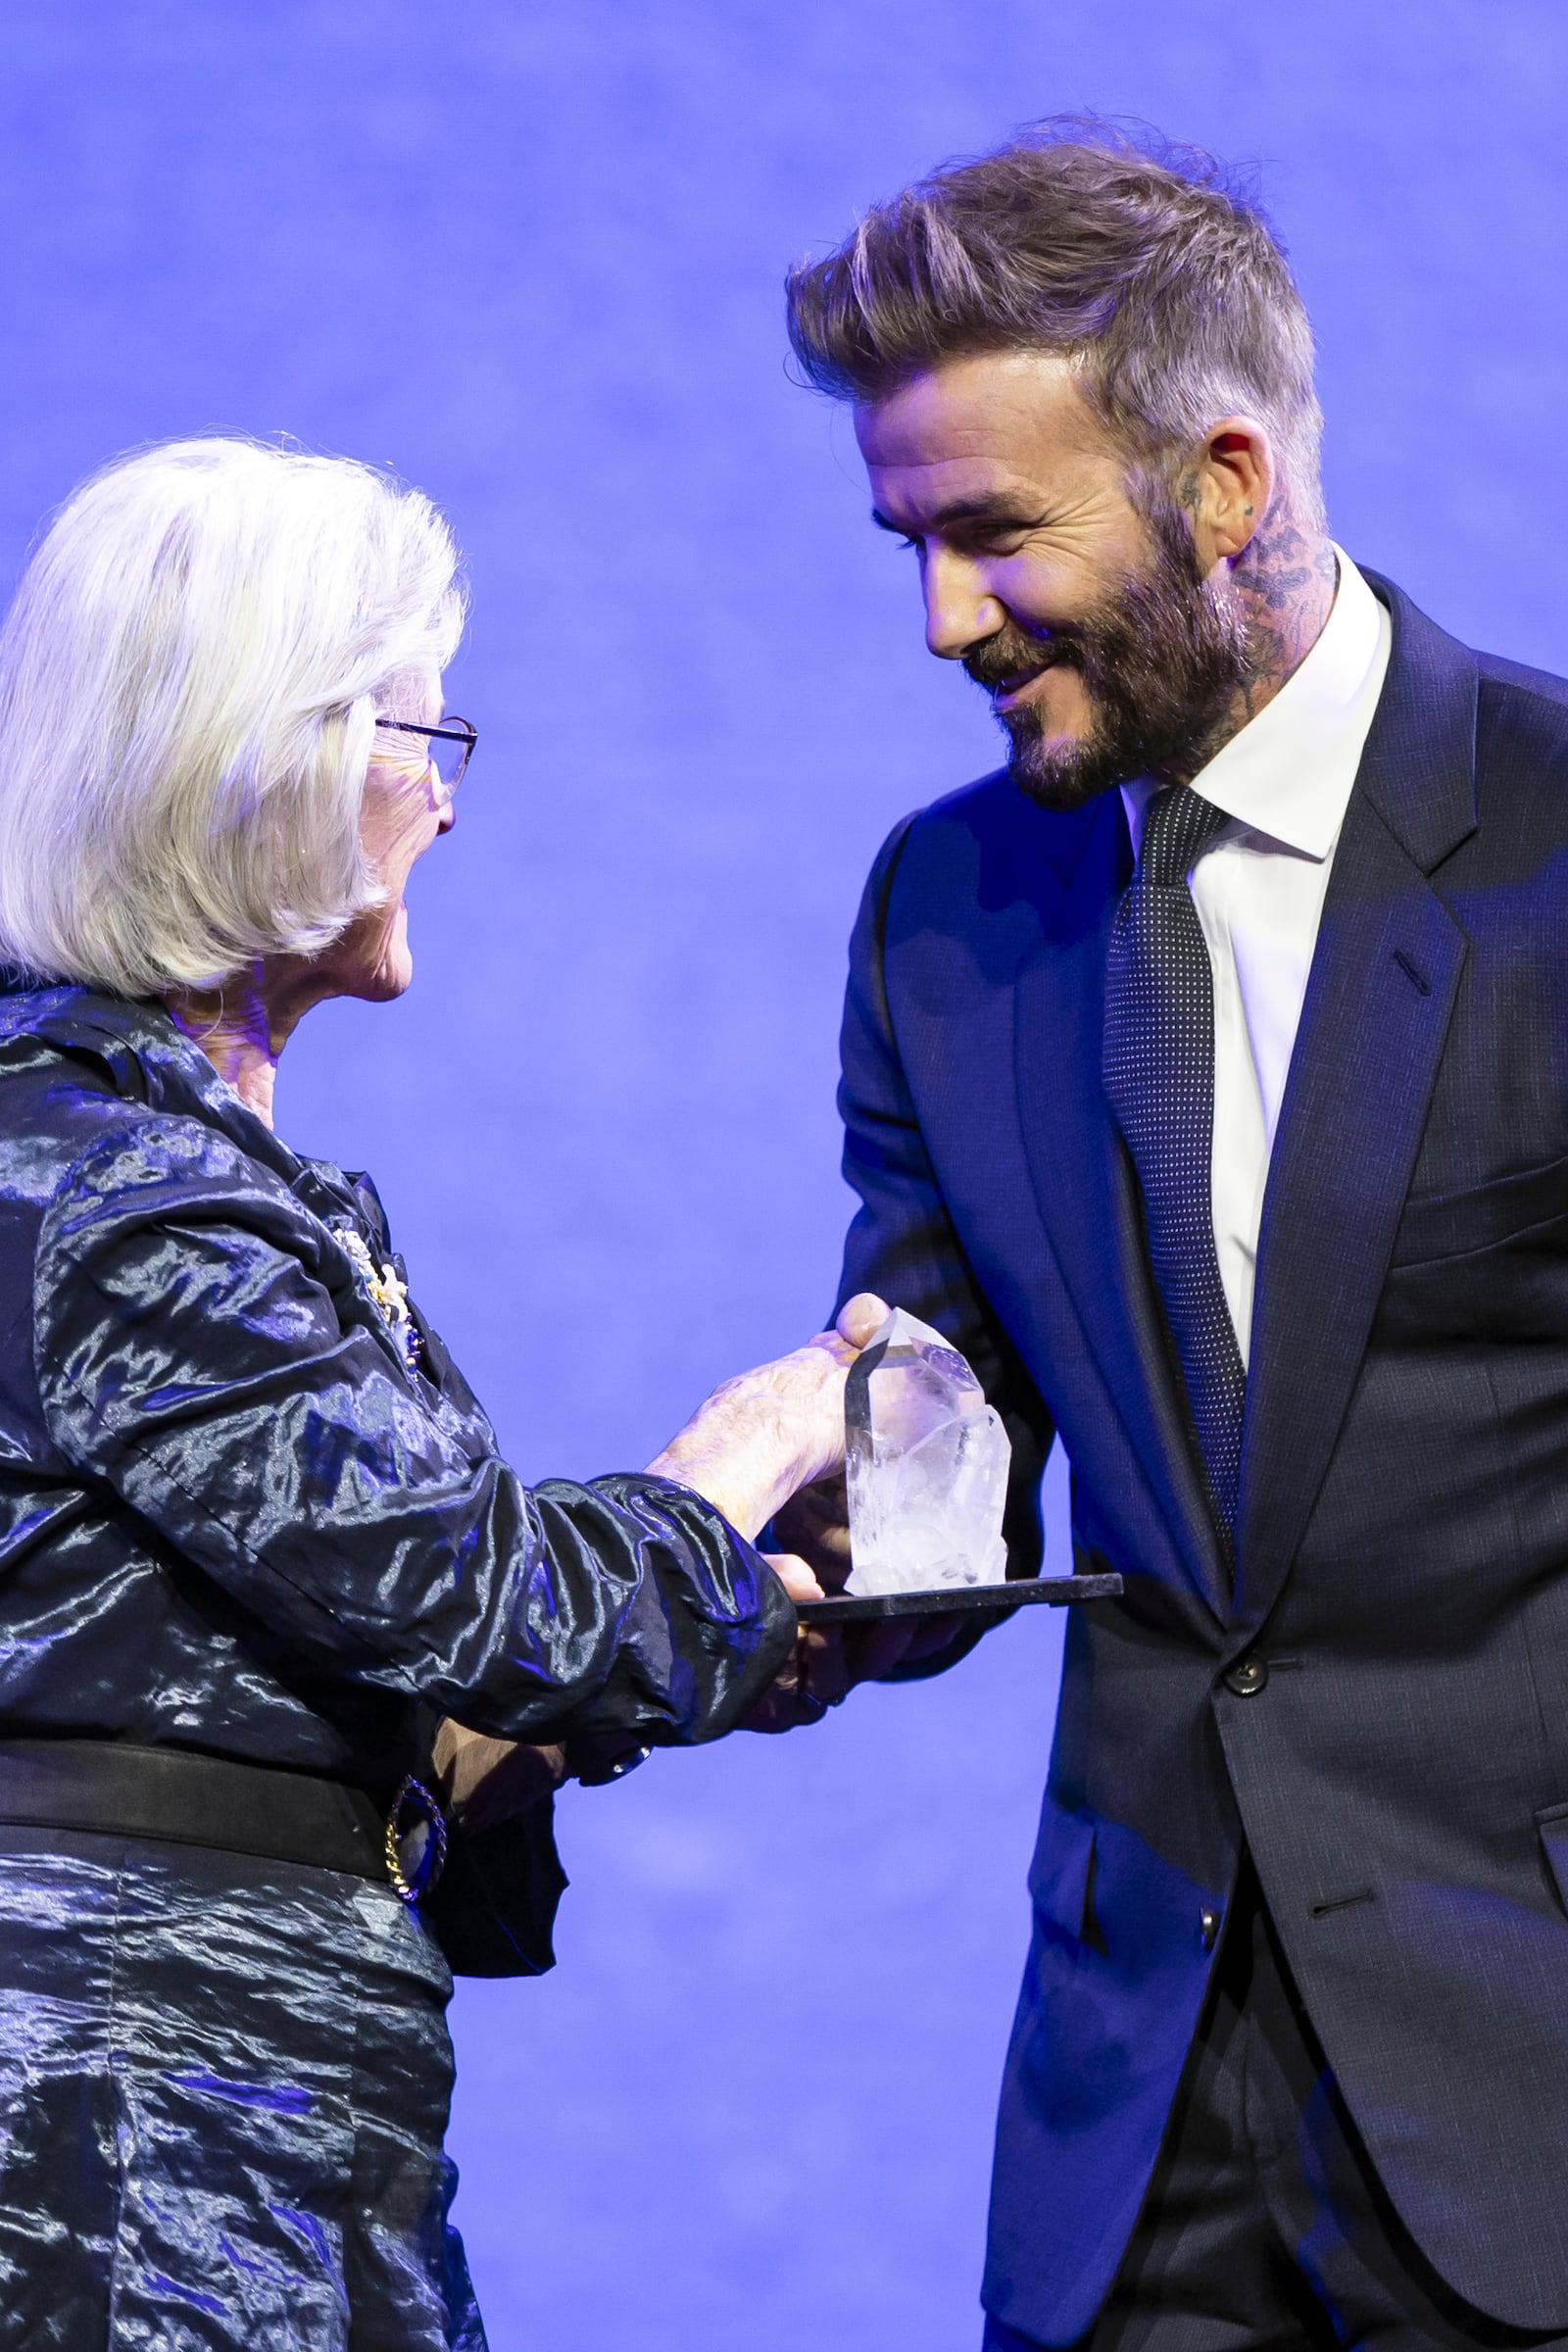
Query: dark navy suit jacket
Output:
(1401,1775)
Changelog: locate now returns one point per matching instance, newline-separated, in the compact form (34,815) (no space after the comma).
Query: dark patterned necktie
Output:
(1159,1078)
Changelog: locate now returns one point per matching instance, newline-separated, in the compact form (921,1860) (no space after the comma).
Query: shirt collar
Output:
(1289,771)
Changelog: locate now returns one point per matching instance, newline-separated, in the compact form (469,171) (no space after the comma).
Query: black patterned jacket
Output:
(236,1517)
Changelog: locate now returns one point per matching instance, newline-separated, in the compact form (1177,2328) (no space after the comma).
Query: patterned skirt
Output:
(223,2087)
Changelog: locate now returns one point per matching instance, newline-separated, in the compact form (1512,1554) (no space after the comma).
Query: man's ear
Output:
(1226,487)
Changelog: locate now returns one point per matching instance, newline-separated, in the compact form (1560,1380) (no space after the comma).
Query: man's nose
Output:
(959,609)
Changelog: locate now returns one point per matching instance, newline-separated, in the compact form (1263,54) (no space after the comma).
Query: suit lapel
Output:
(1085,1186)
(1383,983)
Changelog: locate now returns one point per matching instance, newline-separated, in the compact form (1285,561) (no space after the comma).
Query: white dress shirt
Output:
(1285,782)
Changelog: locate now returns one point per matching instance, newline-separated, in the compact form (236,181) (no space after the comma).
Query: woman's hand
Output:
(769,1431)
(488,1781)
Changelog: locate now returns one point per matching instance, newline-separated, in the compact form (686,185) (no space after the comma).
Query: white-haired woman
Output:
(257,1553)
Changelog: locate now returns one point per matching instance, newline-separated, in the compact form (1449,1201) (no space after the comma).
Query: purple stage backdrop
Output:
(529,253)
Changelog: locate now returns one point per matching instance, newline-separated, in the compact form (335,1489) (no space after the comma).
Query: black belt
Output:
(174,1795)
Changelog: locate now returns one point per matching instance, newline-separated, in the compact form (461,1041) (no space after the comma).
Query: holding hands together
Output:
(767,1445)
(770,1444)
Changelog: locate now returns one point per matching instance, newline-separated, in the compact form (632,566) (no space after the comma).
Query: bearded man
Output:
(1205,1079)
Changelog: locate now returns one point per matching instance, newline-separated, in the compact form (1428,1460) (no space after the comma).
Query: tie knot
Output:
(1178,825)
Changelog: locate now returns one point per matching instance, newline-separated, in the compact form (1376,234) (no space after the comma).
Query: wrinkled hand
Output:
(766,1433)
(487,1782)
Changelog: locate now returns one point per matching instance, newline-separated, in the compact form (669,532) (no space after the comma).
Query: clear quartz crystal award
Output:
(926,1464)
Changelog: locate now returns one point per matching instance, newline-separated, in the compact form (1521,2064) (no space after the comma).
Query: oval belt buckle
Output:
(417,1848)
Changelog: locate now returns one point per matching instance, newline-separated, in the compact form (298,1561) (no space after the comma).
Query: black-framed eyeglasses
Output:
(450,745)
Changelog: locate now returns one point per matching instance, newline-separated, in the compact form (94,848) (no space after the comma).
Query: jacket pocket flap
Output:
(1443,1225)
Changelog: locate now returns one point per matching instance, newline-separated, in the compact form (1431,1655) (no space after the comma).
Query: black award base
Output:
(952,1600)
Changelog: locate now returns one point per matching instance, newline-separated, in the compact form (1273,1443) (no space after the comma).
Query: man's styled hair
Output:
(1161,282)
(190,673)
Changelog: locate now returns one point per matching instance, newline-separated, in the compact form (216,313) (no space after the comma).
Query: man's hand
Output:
(487,1782)
(816,1525)
(828,1660)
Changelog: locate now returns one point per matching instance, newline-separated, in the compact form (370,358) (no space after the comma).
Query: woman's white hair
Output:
(190,673)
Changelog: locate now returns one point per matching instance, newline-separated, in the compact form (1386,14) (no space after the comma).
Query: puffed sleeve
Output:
(203,1347)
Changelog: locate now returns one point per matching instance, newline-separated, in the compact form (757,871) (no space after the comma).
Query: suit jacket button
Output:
(1208,1921)
(1247,1676)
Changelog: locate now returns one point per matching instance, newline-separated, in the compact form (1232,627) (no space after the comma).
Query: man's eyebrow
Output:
(1002,509)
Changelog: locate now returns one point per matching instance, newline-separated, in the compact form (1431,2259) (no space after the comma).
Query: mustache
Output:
(1014,653)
